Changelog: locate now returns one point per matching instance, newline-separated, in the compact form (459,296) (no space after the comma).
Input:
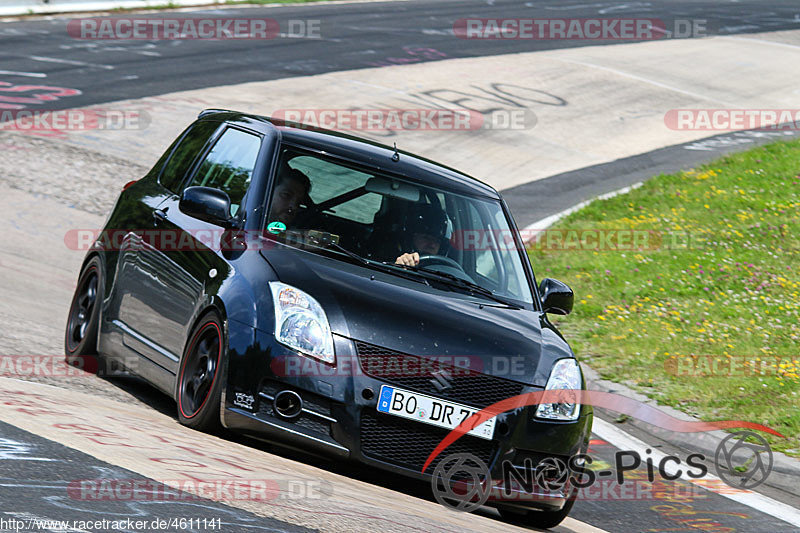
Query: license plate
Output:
(423,408)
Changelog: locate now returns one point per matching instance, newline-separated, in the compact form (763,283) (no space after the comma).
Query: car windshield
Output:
(320,202)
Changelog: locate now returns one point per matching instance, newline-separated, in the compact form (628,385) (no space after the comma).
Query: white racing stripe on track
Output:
(642,79)
(580,527)
(532,231)
(759,502)
(26,74)
(46,59)
(763,41)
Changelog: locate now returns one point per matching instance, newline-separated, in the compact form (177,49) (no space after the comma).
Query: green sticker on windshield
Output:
(276,227)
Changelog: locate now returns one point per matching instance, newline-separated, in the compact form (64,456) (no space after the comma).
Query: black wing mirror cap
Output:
(557,297)
(206,203)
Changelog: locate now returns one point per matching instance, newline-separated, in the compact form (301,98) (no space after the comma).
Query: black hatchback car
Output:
(331,294)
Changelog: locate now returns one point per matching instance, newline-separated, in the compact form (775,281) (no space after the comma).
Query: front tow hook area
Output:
(287,404)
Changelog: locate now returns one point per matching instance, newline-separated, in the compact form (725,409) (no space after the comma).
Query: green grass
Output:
(719,277)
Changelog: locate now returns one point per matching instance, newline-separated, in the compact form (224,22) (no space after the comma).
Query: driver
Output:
(424,232)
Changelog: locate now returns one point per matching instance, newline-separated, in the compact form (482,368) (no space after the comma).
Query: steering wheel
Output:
(430,260)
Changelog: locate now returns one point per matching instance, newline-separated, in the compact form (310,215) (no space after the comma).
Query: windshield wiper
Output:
(396,269)
(454,280)
(339,248)
(378,265)
(382,267)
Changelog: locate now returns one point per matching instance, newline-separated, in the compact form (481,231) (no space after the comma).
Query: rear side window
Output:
(180,163)
(229,165)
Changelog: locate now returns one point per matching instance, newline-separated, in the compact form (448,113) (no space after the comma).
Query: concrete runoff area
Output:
(574,107)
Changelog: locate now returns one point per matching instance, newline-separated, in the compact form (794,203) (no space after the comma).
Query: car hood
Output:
(410,317)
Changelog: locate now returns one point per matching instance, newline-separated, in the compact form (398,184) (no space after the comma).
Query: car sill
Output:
(144,340)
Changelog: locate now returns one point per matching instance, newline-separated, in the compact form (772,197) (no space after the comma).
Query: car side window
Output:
(180,162)
(485,264)
(229,165)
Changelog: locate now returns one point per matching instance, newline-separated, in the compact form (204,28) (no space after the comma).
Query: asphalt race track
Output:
(47,448)
(355,36)
(51,474)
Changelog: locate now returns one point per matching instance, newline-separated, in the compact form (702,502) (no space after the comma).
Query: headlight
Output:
(300,322)
(566,374)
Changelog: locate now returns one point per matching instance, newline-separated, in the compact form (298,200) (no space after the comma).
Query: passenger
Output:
(292,189)
(425,233)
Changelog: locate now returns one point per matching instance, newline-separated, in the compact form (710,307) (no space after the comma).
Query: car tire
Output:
(540,519)
(199,386)
(80,335)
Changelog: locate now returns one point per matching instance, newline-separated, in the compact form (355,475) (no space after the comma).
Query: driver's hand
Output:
(411,259)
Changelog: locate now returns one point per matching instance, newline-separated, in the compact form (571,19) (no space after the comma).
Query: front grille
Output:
(416,373)
(408,443)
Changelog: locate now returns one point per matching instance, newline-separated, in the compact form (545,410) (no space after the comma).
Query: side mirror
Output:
(206,203)
(557,297)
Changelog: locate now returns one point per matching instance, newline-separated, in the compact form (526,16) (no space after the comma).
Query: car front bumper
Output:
(340,419)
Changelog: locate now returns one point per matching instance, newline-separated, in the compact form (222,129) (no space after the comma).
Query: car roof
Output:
(362,150)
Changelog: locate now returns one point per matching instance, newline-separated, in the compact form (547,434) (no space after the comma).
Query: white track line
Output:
(531,231)
(615,436)
(646,80)
(577,526)
(762,41)
(27,74)
(70,62)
